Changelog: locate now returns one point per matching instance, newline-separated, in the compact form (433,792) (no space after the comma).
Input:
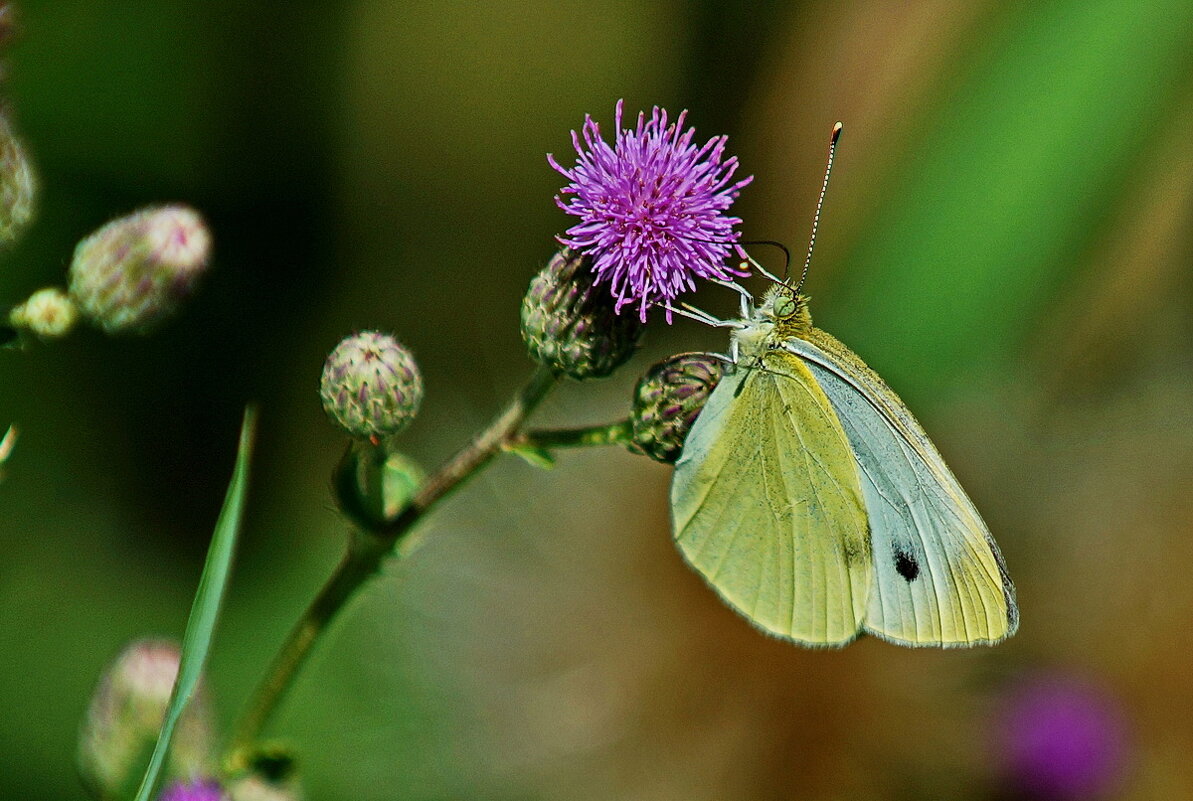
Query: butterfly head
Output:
(786,311)
(782,314)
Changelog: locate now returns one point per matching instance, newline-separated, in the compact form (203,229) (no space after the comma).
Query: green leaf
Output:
(1034,139)
(534,456)
(196,643)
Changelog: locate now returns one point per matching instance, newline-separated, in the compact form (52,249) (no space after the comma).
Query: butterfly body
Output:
(812,501)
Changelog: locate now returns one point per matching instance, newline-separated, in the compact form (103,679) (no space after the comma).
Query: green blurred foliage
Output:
(1007,240)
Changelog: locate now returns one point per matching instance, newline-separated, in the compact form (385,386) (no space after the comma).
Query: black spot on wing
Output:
(906,566)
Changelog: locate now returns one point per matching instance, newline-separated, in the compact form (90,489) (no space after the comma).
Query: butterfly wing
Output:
(767,505)
(938,576)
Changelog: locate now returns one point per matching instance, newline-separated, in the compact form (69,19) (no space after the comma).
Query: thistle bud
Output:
(134,271)
(48,312)
(572,327)
(667,401)
(371,387)
(256,788)
(18,186)
(264,773)
(125,715)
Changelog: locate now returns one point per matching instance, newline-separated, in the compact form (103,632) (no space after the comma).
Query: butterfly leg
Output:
(701,316)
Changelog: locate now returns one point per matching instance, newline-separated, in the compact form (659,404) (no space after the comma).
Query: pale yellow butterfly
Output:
(812,501)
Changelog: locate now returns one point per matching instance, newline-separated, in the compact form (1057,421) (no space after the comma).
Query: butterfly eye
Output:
(784,306)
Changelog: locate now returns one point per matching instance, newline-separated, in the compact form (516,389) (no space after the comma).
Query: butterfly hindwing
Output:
(768,506)
(938,577)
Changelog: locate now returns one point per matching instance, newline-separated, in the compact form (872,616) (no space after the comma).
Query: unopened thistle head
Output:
(49,313)
(124,717)
(667,401)
(652,208)
(570,325)
(18,185)
(371,386)
(134,271)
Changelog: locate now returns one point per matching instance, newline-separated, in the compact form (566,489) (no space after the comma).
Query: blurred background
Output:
(1007,240)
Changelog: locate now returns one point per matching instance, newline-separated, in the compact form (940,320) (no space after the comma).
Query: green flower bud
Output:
(572,327)
(48,312)
(270,775)
(18,186)
(371,386)
(256,788)
(667,401)
(134,271)
(125,715)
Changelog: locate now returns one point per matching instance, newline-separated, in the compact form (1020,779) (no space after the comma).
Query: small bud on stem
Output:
(667,401)
(371,386)
(49,313)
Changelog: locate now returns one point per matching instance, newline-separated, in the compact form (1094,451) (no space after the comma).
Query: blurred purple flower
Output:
(651,208)
(1061,739)
(192,791)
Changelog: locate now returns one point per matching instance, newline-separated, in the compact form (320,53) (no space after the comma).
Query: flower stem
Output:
(618,433)
(365,554)
(358,565)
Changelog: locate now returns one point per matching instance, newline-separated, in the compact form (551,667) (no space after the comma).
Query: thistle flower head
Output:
(1061,738)
(667,401)
(571,326)
(124,717)
(652,207)
(371,386)
(134,271)
(18,184)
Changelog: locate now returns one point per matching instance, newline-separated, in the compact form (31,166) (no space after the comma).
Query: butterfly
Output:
(811,500)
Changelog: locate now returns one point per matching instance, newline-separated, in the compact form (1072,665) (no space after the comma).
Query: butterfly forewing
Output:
(767,504)
(938,577)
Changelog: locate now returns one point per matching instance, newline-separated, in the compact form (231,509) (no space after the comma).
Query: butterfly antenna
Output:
(832,151)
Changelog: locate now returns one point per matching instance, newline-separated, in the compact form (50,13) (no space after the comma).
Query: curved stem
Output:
(364,558)
(358,565)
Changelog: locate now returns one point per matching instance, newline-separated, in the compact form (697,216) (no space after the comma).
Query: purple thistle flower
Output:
(1061,739)
(192,791)
(651,208)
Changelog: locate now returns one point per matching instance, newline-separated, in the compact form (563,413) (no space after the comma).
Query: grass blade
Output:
(200,627)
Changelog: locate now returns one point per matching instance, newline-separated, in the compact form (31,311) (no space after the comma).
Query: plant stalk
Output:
(365,554)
